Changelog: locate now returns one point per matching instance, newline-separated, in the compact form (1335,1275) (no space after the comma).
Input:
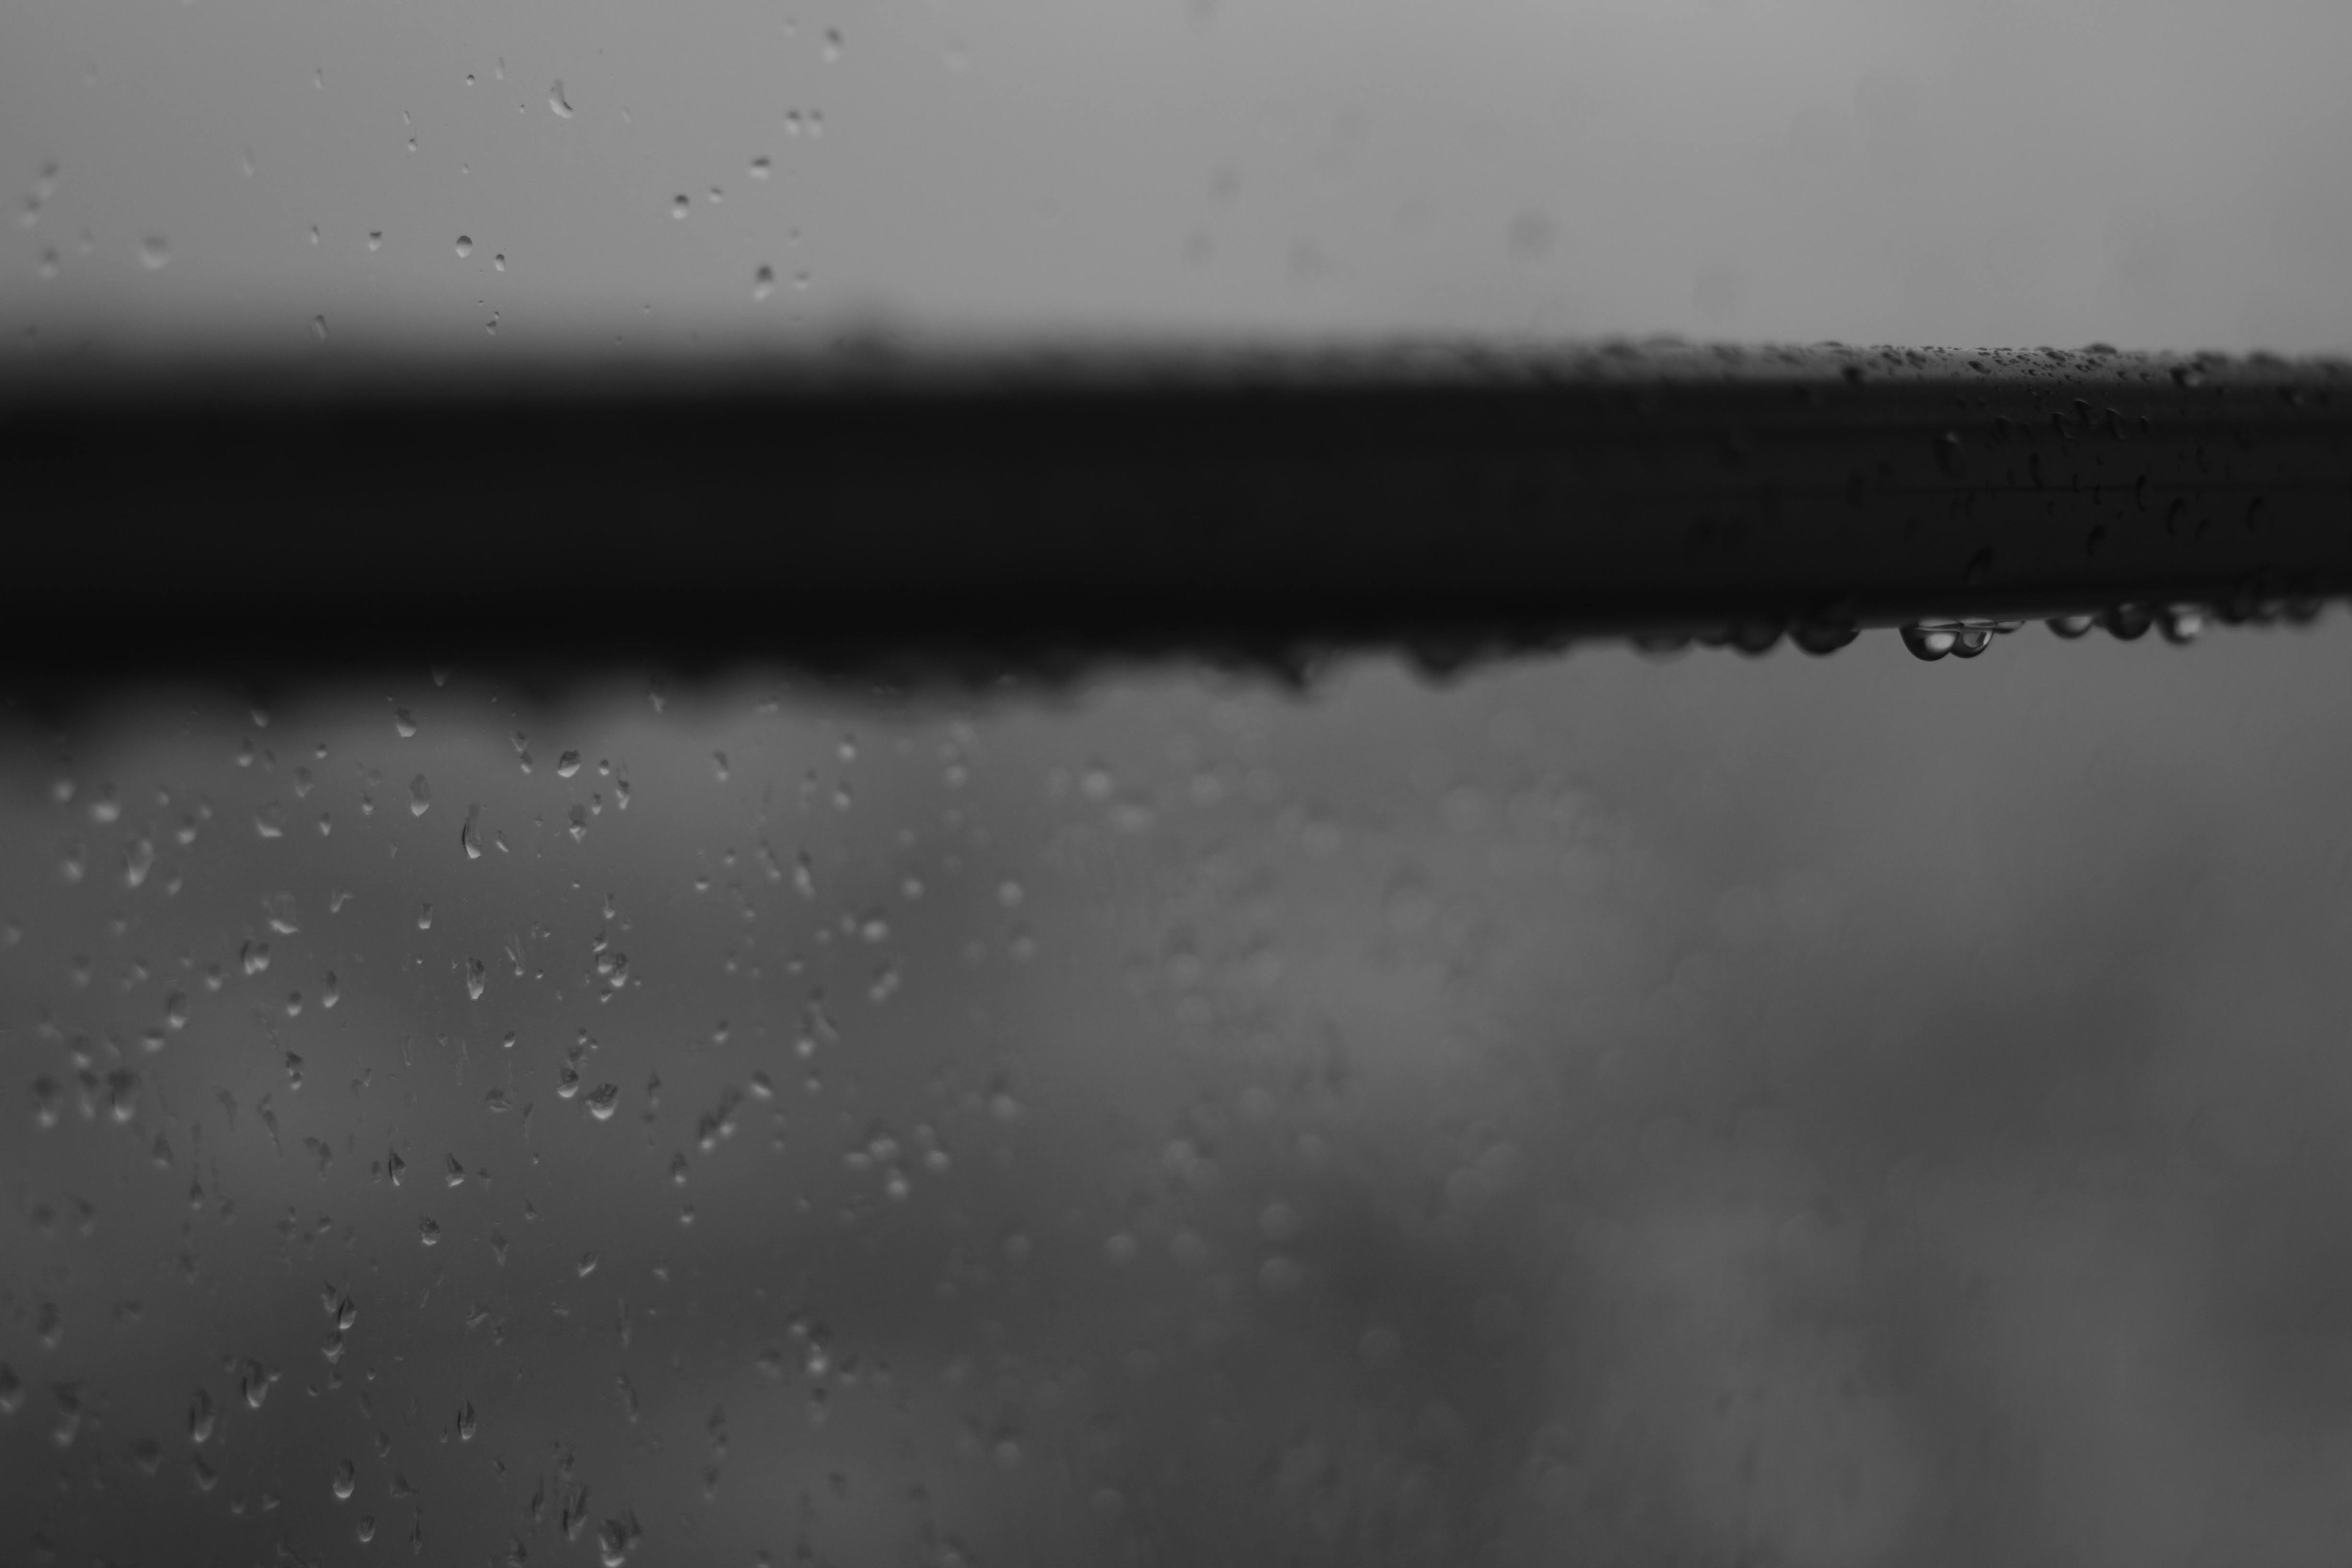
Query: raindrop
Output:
(1970,641)
(155,253)
(420,796)
(375,240)
(465,246)
(567,765)
(1930,642)
(499,261)
(759,168)
(200,1419)
(466,835)
(453,1173)
(764,283)
(474,980)
(832,45)
(2071,626)
(402,724)
(466,1422)
(587,1265)
(602,1100)
(679,206)
(347,1478)
(429,1231)
(2182,623)
(319,328)
(1823,637)
(555,100)
(365,1530)
(2127,623)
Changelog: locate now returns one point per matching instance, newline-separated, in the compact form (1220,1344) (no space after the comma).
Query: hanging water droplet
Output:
(155,253)
(2181,624)
(2071,626)
(556,100)
(1969,641)
(1930,642)
(465,246)
(2128,623)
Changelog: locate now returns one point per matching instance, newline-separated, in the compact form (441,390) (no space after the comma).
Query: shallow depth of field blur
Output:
(711,177)
(1828,1111)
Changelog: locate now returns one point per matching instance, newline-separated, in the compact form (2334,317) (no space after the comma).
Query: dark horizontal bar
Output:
(1036,512)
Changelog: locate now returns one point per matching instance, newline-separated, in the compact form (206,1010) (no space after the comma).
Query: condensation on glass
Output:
(1602,1109)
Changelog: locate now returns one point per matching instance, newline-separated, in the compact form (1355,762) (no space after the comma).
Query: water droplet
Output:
(465,246)
(365,1530)
(474,980)
(466,1422)
(567,765)
(347,1480)
(1970,641)
(425,917)
(679,206)
(375,240)
(587,1265)
(759,168)
(764,283)
(420,796)
(319,328)
(2071,626)
(2181,624)
(155,253)
(466,835)
(602,1100)
(1930,642)
(556,101)
(200,1419)
(2128,623)
(499,261)
(429,1231)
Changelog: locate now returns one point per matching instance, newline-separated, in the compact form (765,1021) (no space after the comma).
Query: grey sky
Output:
(1942,171)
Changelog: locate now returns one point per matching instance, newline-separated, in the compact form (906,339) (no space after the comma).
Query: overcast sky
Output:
(2154,174)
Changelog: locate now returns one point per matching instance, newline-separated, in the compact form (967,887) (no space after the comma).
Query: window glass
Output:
(709,179)
(1832,1111)
(1598,1107)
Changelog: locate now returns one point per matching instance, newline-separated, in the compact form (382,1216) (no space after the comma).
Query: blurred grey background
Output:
(1782,1110)
(1722,1111)
(716,177)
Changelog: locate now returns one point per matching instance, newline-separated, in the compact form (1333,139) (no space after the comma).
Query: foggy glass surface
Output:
(1747,1112)
(1830,1111)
